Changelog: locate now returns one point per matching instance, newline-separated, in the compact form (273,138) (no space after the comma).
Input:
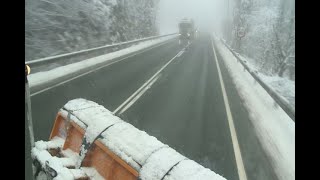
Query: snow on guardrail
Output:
(42,80)
(283,103)
(58,57)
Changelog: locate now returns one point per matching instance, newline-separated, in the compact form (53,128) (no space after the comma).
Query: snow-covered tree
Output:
(58,26)
(264,30)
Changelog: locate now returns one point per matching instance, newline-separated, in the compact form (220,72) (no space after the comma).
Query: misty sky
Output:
(207,14)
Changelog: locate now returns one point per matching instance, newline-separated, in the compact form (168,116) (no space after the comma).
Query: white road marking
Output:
(139,95)
(63,82)
(180,53)
(237,152)
(144,85)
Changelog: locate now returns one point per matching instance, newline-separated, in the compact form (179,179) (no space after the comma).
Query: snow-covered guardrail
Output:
(277,98)
(83,54)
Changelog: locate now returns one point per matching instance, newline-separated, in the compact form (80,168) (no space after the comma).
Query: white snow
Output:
(55,142)
(95,116)
(79,104)
(283,86)
(64,114)
(44,156)
(189,170)
(58,164)
(72,156)
(131,144)
(67,70)
(41,155)
(92,173)
(78,173)
(274,128)
(159,163)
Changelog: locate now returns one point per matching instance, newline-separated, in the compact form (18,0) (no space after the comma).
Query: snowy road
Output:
(176,96)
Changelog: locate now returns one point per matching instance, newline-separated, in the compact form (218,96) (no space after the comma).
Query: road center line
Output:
(144,85)
(237,152)
(140,94)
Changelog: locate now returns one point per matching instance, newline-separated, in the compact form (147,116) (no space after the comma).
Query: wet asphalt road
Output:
(184,108)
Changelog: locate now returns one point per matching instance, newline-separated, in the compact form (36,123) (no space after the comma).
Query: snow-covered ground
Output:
(40,78)
(274,128)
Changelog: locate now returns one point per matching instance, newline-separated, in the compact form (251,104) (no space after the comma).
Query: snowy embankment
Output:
(274,128)
(152,159)
(282,86)
(41,79)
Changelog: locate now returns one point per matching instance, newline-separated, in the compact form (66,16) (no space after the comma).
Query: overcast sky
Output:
(207,14)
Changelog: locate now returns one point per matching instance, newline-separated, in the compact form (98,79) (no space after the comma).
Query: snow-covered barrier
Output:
(283,103)
(274,128)
(63,57)
(88,138)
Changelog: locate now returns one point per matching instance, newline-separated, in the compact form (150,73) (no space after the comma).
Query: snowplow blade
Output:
(88,142)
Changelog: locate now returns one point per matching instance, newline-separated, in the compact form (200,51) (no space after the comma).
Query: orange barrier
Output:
(83,146)
(107,164)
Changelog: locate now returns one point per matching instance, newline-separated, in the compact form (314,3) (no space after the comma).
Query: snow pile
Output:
(130,144)
(281,85)
(55,142)
(57,164)
(274,128)
(151,158)
(62,73)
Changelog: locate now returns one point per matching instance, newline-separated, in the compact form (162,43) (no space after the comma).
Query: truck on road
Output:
(187,31)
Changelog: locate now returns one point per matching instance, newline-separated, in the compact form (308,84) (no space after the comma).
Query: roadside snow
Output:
(273,126)
(40,78)
(283,86)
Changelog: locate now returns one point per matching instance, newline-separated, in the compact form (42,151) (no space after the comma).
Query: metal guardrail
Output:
(83,54)
(45,82)
(278,99)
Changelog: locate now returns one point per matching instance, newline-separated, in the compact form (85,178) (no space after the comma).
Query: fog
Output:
(207,14)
